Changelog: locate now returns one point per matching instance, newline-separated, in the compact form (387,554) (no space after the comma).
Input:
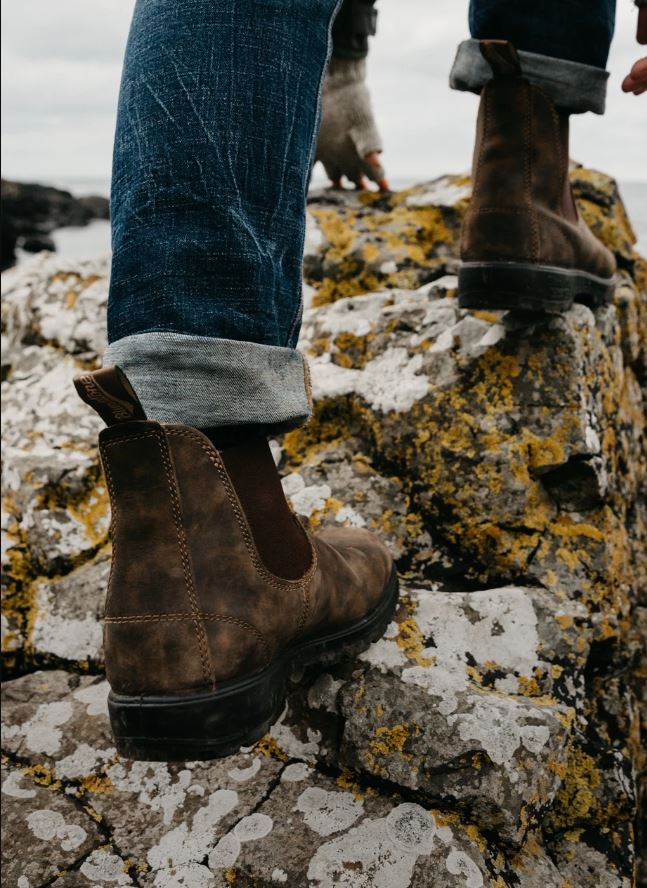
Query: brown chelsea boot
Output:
(215,589)
(523,244)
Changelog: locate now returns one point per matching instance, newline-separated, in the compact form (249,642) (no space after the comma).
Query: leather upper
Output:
(521,208)
(190,602)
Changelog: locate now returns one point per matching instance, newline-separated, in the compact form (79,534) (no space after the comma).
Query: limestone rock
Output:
(43,832)
(66,625)
(468,700)
(337,485)
(369,240)
(311,831)
(493,735)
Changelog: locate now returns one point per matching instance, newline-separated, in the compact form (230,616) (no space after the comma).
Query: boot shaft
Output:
(520,166)
(182,586)
(192,599)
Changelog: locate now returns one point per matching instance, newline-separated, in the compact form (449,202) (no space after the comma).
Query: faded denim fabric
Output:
(563,47)
(574,30)
(216,132)
(572,86)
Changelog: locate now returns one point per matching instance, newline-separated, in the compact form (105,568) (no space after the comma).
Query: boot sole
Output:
(519,286)
(214,724)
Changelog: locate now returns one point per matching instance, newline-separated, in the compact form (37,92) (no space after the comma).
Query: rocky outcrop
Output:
(30,212)
(492,737)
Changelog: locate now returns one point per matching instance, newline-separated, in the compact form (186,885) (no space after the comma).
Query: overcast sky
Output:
(62,61)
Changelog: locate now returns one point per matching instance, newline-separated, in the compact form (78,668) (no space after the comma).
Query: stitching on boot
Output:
(528,171)
(287,585)
(112,530)
(484,135)
(183,617)
(185,558)
(524,211)
(127,438)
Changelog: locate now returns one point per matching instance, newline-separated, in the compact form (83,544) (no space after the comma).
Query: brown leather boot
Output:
(216,590)
(523,244)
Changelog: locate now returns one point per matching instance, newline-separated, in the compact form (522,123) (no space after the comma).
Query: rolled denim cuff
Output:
(572,86)
(205,382)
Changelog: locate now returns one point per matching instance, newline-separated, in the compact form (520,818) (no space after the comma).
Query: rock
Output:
(8,242)
(367,240)
(97,205)
(493,735)
(492,676)
(67,612)
(582,865)
(337,484)
(240,814)
(103,866)
(36,243)
(33,211)
(311,831)
(43,832)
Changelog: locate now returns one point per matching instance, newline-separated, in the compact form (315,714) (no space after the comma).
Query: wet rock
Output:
(33,211)
(36,243)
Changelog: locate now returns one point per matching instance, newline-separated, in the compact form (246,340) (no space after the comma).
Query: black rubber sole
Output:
(214,724)
(522,286)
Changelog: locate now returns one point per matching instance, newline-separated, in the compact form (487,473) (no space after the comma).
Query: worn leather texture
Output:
(521,208)
(191,602)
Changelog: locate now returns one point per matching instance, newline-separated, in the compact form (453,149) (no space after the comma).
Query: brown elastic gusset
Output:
(224,437)
(282,543)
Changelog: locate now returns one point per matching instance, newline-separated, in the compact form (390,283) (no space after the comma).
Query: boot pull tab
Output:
(109,393)
(502,57)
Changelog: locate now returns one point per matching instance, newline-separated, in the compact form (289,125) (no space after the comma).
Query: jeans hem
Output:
(205,382)
(572,86)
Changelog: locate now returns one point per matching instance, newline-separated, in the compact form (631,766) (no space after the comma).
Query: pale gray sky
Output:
(62,62)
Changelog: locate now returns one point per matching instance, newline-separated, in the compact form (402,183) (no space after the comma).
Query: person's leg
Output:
(563,47)
(215,138)
(577,30)
(523,245)
(215,587)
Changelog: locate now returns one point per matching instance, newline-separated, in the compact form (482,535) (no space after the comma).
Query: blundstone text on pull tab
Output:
(109,393)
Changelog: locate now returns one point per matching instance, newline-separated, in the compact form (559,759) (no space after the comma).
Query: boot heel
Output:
(510,286)
(204,725)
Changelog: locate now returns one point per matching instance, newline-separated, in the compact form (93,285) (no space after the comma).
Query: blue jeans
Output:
(575,30)
(215,139)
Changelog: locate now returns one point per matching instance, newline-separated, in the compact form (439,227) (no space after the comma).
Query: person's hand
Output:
(349,143)
(636,80)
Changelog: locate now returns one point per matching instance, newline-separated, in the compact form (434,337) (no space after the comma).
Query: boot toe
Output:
(357,567)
